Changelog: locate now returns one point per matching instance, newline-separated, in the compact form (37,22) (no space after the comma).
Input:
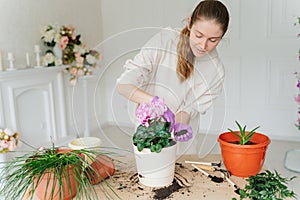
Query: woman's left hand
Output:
(182,132)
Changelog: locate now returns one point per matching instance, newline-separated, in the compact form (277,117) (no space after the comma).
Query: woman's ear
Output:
(188,23)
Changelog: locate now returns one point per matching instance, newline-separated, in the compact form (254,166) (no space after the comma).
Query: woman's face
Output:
(205,35)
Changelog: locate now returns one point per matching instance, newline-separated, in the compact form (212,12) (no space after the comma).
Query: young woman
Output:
(181,67)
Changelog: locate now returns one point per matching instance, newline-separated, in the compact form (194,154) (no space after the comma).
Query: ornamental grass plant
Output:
(71,174)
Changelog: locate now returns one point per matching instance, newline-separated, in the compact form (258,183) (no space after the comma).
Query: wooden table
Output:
(193,184)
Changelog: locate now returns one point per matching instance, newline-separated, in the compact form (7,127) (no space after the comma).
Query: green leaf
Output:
(152,148)
(267,185)
(240,127)
(235,133)
(140,146)
(250,134)
(164,134)
(158,148)
(244,138)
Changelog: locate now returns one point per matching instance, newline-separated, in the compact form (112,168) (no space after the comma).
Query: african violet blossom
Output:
(147,112)
(158,111)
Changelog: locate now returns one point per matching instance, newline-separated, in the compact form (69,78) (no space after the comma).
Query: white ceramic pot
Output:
(85,142)
(156,169)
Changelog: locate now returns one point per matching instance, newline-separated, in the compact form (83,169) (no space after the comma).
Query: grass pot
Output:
(48,185)
(86,143)
(103,167)
(243,160)
(156,169)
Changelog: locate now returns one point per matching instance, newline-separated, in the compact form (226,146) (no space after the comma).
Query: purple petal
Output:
(155,98)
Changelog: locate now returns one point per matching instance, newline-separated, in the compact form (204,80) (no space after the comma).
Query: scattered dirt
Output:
(188,183)
(163,193)
(128,182)
(248,143)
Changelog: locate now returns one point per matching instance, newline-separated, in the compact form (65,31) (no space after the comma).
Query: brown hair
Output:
(209,10)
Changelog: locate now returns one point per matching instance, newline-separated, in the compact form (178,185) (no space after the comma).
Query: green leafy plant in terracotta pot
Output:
(267,185)
(51,173)
(243,151)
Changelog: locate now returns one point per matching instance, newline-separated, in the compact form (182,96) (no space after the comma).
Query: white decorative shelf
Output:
(32,102)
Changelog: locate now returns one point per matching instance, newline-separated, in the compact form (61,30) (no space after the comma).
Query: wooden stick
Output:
(212,178)
(237,189)
(200,170)
(206,167)
(204,163)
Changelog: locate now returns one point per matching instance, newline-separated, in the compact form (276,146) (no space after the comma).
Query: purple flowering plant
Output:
(157,123)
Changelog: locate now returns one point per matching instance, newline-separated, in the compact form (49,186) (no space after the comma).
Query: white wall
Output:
(127,25)
(259,52)
(22,20)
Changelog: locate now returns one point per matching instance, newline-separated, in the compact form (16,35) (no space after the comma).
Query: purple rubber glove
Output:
(155,98)
(168,115)
(182,132)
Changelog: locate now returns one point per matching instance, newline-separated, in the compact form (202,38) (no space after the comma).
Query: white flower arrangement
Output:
(74,53)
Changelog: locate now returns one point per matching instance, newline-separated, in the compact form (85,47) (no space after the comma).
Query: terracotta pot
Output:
(243,160)
(48,181)
(103,167)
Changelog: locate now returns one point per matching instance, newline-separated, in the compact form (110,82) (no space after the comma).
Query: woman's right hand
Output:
(134,94)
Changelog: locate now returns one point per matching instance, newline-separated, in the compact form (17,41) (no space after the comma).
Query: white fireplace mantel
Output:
(32,101)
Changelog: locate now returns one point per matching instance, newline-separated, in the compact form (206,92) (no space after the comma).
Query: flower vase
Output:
(57,51)
(156,169)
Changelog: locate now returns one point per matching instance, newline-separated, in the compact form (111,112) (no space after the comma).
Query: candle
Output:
(10,56)
(10,59)
(37,59)
(37,49)
(27,60)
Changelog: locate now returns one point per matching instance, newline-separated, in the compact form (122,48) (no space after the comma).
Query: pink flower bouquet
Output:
(8,140)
